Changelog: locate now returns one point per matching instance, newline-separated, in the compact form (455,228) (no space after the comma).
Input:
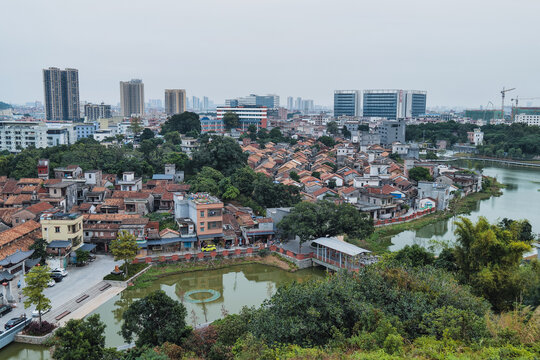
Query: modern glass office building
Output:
(394,104)
(346,102)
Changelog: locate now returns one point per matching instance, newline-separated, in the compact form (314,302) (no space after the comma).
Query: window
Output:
(202,213)
(202,228)
(57,229)
(202,223)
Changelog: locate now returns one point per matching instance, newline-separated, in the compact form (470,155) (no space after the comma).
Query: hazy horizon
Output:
(462,53)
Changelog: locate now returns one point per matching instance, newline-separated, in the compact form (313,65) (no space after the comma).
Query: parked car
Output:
(14,322)
(4,309)
(35,313)
(62,272)
(209,248)
(51,283)
(56,277)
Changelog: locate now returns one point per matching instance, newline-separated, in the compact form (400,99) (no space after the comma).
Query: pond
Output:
(207,296)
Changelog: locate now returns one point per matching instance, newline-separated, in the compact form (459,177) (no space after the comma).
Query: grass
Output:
(380,240)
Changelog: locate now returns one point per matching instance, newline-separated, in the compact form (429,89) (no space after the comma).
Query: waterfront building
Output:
(175,101)
(61,89)
(394,104)
(132,98)
(346,102)
(205,212)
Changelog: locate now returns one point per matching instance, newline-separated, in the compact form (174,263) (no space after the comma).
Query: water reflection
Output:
(520,200)
(243,285)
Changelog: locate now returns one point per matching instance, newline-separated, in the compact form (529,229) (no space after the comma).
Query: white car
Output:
(51,283)
(35,313)
(60,271)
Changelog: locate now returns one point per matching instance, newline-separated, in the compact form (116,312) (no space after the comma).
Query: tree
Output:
(231,120)
(269,194)
(346,133)
(327,141)
(221,153)
(419,173)
(431,155)
(124,247)
(294,175)
(316,174)
(82,256)
(244,180)
(415,256)
(488,258)
(135,126)
(173,137)
(36,281)
(309,221)
(183,123)
(147,134)
(179,159)
(332,128)
(40,250)
(155,319)
(332,184)
(82,339)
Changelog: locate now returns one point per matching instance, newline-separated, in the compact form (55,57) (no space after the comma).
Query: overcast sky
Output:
(461,51)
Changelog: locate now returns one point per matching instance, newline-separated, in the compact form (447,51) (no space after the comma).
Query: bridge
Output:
(336,255)
(488,159)
(8,336)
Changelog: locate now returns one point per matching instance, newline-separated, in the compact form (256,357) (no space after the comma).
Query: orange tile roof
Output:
(39,207)
(18,231)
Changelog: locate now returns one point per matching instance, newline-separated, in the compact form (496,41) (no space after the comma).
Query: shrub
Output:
(34,329)
(132,270)
(393,344)
(455,324)
(264,252)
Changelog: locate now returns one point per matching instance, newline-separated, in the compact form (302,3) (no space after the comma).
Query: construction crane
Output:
(503,94)
(517,99)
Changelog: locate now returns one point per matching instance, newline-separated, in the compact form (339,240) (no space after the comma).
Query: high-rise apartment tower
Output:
(175,101)
(132,98)
(61,88)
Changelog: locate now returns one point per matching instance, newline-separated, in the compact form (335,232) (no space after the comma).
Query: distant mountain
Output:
(4,106)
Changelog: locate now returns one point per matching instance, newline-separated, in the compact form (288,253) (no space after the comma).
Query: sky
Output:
(462,52)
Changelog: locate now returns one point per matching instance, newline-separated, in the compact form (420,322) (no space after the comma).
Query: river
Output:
(234,287)
(520,200)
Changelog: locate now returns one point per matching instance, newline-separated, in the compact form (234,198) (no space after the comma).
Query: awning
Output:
(59,244)
(209,236)
(87,247)
(170,241)
(254,233)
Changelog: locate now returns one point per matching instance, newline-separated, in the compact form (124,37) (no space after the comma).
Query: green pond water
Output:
(237,286)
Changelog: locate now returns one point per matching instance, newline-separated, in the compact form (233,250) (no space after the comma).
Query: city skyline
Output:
(454,51)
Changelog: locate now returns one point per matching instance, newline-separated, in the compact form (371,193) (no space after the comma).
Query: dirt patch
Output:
(275,261)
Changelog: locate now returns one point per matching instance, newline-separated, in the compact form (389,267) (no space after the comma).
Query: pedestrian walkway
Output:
(83,304)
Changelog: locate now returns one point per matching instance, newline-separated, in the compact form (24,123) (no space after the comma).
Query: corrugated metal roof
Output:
(340,246)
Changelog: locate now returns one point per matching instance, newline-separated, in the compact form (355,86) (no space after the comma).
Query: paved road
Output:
(79,279)
(292,245)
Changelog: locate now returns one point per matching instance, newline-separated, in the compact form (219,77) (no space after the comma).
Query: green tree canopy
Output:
(332,128)
(488,258)
(36,281)
(221,153)
(125,248)
(154,320)
(40,250)
(183,123)
(82,339)
(327,141)
(231,120)
(419,173)
(147,134)
(309,221)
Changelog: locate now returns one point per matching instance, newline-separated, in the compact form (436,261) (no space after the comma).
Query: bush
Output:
(34,329)
(264,252)
(455,324)
(393,344)
(132,270)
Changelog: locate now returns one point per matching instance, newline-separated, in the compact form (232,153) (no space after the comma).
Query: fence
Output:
(402,219)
